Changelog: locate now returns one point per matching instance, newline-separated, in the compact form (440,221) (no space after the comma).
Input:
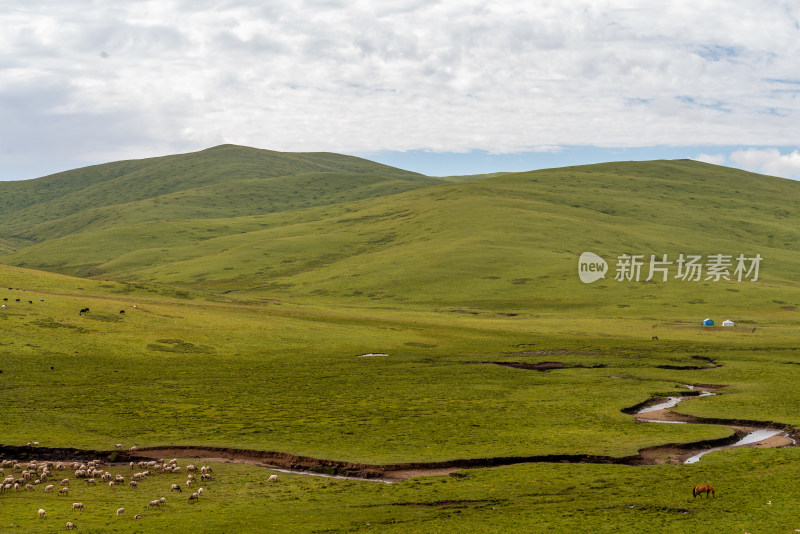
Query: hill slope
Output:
(222,181)
(506,242)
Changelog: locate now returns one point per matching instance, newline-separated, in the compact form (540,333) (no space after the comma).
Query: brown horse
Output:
(705,488)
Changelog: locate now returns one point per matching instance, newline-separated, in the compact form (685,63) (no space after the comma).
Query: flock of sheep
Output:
(27,475)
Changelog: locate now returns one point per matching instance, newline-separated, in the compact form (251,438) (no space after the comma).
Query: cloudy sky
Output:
(441,87)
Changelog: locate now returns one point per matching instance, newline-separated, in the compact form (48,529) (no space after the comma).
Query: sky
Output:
(439,87)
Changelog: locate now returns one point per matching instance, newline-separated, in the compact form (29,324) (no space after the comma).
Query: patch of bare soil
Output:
(546,366)
(711,365)
(552,352)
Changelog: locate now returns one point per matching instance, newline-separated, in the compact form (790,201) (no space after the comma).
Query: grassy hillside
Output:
(225,181)
(508,243)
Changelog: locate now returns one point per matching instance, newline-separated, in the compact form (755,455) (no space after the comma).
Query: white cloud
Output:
(769,161)
(360,76)
(714,159)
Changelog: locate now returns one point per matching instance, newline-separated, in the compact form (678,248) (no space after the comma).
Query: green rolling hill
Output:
(366,234)
(223,181)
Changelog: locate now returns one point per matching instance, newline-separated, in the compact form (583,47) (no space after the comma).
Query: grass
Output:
(202,184)
(174,370)
(528,498)
(247,328)
(506,243)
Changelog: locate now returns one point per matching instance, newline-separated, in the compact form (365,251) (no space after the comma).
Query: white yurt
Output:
(728,323)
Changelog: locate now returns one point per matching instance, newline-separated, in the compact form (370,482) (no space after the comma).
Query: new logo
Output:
(591,267)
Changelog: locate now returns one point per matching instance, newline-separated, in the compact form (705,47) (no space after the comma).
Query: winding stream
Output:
(656,413)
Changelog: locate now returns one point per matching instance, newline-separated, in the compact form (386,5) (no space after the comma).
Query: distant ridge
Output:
(63,197)
(365,232)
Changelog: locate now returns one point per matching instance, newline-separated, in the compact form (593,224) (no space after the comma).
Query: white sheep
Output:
(133,484)
(137,516)
(65,482)
(176,487)
(272,478)
(42,514)
(49,488)
(191,468)
(77,506)
(120,511)
(154,503)
(63,491)
(118,445)
(71,525)
(162,500)
(193,497)
(29,487)
(91,481)
(199,491)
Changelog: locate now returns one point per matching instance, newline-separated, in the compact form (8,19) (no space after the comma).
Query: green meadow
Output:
(756,491)
(252,282)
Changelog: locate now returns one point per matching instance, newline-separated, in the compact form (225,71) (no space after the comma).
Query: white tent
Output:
(728,323)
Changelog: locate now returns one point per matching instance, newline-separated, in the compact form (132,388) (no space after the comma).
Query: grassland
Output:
(191,368)
(529,498)
(245,331)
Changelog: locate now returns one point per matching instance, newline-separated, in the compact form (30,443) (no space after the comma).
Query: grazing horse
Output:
(705,488)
